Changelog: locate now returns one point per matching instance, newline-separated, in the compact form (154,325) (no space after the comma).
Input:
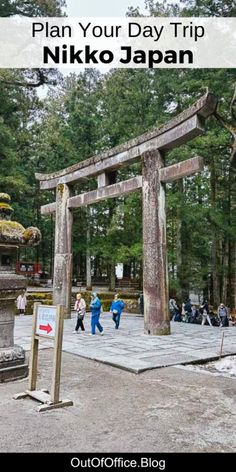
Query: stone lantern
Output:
(12,236)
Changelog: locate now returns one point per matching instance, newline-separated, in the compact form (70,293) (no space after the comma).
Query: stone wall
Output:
(45,298)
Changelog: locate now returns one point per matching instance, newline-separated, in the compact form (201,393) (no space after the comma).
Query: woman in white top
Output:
(80,308)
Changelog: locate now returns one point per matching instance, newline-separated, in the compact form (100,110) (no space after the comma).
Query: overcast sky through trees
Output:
(101,7)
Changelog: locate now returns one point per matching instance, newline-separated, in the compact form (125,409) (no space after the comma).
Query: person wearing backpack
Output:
(116,309)
(188,311)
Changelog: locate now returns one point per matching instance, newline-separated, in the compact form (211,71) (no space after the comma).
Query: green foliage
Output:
(31,7)
(191,8)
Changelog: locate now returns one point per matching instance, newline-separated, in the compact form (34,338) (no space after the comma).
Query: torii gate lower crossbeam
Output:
(152,182)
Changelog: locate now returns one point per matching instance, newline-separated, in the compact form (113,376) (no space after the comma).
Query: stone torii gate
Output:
(150,148)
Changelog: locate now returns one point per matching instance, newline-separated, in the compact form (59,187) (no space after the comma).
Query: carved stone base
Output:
(12,364)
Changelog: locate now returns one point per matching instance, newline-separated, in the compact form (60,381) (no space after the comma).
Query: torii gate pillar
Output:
(63,250)
(155,273)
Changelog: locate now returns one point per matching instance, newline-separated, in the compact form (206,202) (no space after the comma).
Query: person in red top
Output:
(80,308)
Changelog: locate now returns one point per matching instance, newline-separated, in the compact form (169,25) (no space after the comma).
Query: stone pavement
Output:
(128,348)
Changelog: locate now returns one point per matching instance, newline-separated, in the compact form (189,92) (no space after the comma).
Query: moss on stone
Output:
(4,197)
(60,188)
(39,295)
(31,236)
(165,331)
(28,233)
(5,206)
(11,231)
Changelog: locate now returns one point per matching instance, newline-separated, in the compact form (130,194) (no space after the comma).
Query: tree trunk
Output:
(225,264)
(215,241)
(214,268)
(88,270)
(174,239)
(232,277)
(112,277)
(88,254)
(182,238)
(51,246)
(232,242)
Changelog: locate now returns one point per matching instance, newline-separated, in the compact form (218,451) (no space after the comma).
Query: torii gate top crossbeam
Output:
(167,174)
(177,131)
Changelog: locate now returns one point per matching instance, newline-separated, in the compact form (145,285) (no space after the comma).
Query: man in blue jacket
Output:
(116,310)
(95,306)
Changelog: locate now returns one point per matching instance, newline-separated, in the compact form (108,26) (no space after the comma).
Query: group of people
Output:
(186,312)
(189,313)
(116,309)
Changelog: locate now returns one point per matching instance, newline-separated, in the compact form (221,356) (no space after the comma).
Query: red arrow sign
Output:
(47,328)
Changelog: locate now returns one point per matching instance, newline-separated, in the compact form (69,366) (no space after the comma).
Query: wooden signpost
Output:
(48,323)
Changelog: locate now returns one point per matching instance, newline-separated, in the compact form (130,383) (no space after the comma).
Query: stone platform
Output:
(130,349)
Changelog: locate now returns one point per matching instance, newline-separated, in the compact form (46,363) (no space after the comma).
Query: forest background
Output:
(86,113)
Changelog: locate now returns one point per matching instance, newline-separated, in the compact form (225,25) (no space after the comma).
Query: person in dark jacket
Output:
(141,303)
(95,306)
(116,310)
(204,310)
(188,310)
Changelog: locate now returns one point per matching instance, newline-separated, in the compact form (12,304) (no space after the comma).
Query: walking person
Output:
(116,309)
(173,307)
(95,306)
(80,308)
(21,303)
(204,310)
(187,310)
(195,314)
(223,315)
(141,303)
(178,315)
